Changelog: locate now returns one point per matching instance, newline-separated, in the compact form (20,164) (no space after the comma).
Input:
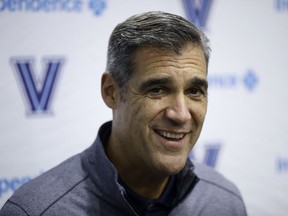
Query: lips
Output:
(171,135)
(172,141)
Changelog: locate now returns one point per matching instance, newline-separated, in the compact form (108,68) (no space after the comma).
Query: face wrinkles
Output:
(155,58)
(165,107)
(156,64)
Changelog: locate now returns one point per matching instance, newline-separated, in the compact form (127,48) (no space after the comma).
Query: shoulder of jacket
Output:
(40,193)
(213,178)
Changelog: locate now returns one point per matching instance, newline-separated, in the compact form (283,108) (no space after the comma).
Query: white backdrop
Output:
(245,136)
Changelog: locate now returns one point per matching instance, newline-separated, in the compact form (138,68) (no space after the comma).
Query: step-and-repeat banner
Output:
(52,55)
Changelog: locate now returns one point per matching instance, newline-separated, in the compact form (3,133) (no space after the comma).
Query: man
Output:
(156,86)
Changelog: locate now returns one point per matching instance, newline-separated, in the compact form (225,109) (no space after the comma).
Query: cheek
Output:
(147,109)
(138,111)
(200,112)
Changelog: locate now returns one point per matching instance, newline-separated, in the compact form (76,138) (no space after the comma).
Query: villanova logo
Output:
(37,91)
(97,6)
(197,11)
(211,154)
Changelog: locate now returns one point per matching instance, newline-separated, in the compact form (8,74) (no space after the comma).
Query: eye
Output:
(156,92)
(196,92)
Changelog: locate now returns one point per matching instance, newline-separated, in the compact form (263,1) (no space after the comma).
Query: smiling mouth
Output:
(170,135)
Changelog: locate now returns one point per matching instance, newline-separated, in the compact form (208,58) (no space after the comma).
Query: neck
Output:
(141,179)
(151,188)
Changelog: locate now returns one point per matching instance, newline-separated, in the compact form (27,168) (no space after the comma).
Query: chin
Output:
(173,167)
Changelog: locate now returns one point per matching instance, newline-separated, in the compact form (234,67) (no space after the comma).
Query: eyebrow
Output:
(154,82)
(167,80)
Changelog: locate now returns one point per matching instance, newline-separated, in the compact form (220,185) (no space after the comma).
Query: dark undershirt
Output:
(152,207)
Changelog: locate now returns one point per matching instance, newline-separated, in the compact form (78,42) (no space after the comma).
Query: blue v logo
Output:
(38,92)
(197,11)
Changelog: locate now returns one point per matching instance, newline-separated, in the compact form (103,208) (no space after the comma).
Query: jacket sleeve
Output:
(11,209)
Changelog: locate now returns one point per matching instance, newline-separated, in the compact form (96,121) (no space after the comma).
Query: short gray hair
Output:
(156,29)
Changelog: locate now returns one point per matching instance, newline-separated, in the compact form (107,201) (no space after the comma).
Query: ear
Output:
(109,90)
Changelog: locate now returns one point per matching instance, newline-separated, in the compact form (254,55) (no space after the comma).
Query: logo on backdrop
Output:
(197,11)
(282,164)
(281,5)
(38,91)
(48,6)
(97,6)
(211,154)
(249,80)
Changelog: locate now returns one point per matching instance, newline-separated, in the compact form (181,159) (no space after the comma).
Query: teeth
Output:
(171,135)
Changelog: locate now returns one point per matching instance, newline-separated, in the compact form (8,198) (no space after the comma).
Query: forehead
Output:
(149,61)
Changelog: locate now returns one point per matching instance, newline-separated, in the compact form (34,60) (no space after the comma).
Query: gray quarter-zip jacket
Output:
(86,184)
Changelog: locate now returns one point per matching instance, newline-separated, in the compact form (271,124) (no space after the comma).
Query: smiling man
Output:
(156,86)
(158,116)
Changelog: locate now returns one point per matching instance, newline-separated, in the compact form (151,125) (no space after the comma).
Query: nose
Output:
(178,110)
